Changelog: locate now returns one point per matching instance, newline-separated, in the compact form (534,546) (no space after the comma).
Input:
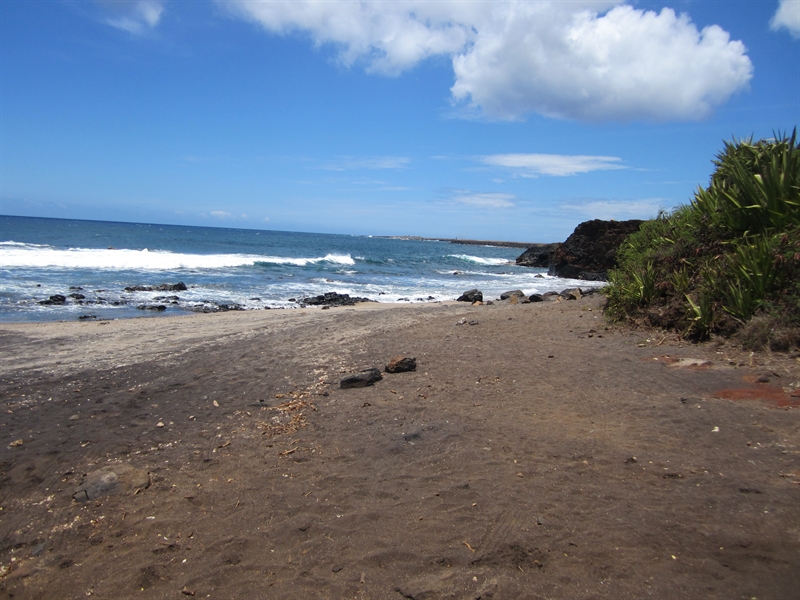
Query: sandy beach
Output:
(536,452)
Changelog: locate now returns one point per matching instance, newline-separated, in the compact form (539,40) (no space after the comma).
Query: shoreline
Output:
(156,308)
(536,451)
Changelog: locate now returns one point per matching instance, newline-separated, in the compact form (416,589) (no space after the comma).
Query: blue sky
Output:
(488,120)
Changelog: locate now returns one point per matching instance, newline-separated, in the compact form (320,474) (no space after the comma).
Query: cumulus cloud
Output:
(220,214)
(590,60)
(484,200)
(787,17)
(136,17)
(533,165)
(622,65)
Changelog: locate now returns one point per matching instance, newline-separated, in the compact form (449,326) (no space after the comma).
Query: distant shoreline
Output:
(468,242)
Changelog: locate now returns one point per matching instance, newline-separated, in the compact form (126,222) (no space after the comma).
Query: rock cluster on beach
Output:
(475,296)
(333,299)
(156,304)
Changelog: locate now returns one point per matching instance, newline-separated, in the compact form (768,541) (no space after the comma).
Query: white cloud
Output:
(220,214)
(787,16)
(137,16)
(584,59)
(532,165)
(623,65)
(390,36)
(484,200)
(619,210)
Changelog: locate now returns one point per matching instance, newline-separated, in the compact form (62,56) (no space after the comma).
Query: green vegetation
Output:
(729,262)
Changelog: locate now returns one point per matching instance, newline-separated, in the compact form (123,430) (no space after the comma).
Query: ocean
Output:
(90,263)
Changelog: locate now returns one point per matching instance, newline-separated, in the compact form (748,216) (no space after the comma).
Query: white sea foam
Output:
(13,243)
(15,255)
(339,259)
(481,260)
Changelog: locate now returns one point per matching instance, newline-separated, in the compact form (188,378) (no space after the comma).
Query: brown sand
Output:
(528,456)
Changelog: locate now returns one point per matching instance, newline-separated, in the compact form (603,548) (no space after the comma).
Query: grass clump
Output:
(730,256)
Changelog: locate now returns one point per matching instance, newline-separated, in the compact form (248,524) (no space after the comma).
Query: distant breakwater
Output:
(499,244)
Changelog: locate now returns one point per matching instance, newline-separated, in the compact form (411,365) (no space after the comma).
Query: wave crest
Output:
(15,255)
(480,260)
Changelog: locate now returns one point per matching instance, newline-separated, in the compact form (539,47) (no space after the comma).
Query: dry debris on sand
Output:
(537,455)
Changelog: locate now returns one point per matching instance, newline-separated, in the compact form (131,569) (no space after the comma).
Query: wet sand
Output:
(534,453)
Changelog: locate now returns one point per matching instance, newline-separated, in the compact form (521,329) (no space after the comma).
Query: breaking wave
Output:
(16,255)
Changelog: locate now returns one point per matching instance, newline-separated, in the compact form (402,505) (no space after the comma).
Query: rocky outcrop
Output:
(474,295)
(537,256)
(591,250)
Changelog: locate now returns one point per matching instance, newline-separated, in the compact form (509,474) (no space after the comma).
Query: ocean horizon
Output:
(91,263)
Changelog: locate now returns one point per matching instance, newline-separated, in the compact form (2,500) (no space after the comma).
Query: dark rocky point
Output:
(591,250)
(537,256)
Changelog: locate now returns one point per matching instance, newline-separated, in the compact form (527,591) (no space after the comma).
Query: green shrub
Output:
(755,189)
(732,254)
(701,314)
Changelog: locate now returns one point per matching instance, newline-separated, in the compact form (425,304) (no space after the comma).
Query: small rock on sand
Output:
(362,379)
(474,295)
(114,479)
(401,364)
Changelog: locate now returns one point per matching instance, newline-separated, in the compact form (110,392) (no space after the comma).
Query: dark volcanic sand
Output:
(502,468)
